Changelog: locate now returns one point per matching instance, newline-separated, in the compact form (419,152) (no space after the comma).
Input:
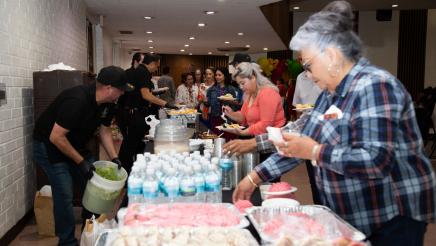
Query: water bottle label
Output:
(212,187)
(187,190)
(150,194)
(150,190)
(172,193)
(226,164)
(200,188)
(134,190)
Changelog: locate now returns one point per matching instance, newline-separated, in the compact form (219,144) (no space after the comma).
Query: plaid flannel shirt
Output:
(372,166)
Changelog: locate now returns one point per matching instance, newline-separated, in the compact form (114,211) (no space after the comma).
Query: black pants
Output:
(399,231)
(315,193)
(133,128)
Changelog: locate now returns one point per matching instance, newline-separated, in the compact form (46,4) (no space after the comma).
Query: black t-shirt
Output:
(130,74)
(74,109)
(142,79)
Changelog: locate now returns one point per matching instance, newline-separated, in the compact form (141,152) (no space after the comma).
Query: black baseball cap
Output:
(240,57)
(114,76)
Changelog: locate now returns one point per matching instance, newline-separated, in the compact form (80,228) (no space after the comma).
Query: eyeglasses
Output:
(306,65)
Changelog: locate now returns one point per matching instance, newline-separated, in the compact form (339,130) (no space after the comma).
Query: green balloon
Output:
(294,68)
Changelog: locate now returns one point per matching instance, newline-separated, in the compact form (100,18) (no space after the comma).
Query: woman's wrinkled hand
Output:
(296,145)
(243,191)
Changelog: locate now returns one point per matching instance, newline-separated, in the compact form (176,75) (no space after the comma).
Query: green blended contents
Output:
(108,172)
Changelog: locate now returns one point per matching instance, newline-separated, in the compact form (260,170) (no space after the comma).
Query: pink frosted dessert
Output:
(297,225)
(181,214)
(280,187)
(242,205)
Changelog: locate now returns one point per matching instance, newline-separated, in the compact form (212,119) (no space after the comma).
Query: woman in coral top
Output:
(262,102)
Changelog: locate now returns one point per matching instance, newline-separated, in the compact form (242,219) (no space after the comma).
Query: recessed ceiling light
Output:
(201,24)
(151,52)
(209,53)
(186,45)
(209,12)
(247,45)
(191,38)
(151,47)
(149,32)
(150,41)
(240,33)
(394,5)
(148,17)
(190,54)
(182,50)
(226,42)
(296,8)
(265,48)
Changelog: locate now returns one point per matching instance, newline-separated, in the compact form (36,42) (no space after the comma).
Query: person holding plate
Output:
(262,105)
(187,92)
(214,93)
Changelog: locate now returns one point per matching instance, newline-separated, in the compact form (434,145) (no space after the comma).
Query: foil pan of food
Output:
(130,236)
(303,225)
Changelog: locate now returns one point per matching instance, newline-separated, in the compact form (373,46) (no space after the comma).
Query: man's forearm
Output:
(107,142)
(67,149)
(147,95)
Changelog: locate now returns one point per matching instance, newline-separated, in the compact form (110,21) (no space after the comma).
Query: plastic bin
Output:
(100,193)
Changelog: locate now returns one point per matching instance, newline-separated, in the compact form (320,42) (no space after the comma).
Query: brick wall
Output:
(33,35)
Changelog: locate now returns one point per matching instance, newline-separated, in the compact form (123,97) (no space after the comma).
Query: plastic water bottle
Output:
(171,185)
(134,187)
(200,195)
(187,185)
(150,187)
(212,185)
(226,165)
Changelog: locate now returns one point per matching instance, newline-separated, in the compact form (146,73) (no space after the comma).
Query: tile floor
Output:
(298,177)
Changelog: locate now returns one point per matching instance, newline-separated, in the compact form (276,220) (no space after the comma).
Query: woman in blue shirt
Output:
(221,88)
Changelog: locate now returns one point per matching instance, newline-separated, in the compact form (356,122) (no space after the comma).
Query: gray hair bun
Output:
(333,25)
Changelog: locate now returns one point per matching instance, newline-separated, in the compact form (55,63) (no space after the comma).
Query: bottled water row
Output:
(175,177)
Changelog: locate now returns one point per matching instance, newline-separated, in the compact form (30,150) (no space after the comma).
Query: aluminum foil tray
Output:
(243,221)
(108,237)
(334,225)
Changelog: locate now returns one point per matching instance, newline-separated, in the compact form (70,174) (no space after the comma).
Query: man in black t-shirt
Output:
(60,136)
(136,107)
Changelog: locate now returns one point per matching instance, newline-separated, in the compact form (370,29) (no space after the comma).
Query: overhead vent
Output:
(136,49)
(126,32)
(232,49)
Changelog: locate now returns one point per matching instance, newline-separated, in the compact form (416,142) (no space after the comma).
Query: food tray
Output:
(185,119)
(243,221)
(107,237)
(333,224)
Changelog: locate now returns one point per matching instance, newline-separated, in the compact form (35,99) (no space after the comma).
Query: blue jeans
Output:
(61,177)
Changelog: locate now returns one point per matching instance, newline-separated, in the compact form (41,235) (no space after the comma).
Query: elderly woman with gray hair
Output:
(362,138)
(262,105)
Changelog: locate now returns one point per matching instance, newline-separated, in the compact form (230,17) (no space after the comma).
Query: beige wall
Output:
(107,49)
(380,38)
